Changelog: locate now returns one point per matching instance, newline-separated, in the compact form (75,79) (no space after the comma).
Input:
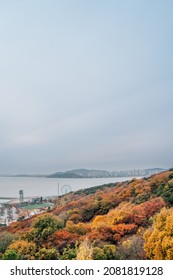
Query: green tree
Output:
(47,254)
(43,227)
(110,251)
(98,254)
(69,253)
(11,255)
(6,239)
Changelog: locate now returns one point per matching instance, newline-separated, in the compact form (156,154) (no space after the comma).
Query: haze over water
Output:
(10,186)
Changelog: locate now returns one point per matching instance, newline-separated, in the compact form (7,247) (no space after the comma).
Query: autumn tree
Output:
(159,239)
(131,249)
(85,251)
(61,239)
(22,249)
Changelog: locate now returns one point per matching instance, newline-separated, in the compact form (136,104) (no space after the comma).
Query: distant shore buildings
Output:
(22,208)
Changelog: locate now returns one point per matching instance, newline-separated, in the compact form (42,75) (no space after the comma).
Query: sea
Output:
(46,187)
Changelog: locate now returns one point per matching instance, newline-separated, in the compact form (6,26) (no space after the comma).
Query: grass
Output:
(36,206)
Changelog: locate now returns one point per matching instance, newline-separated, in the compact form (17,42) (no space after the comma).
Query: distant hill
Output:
(68,174)
(93,173)
(81,173)
(85,173)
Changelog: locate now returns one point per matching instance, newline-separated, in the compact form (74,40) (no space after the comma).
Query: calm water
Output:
(9,187)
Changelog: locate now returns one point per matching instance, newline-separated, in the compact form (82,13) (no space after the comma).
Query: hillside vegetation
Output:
(126,220)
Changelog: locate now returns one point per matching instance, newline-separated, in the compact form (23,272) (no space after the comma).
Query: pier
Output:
(8,198)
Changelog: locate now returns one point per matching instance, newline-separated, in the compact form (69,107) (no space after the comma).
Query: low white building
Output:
(8,214)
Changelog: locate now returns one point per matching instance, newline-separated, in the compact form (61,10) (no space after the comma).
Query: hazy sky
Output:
(85,84)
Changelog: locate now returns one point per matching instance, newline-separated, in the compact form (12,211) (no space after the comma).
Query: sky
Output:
(85,84)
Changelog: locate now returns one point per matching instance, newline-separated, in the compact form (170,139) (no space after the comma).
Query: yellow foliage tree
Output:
(85,251)
(24,249)
(159,240)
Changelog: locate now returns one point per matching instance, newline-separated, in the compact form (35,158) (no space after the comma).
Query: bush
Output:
(47,254)
(43,227)
(6,239)
(11,255)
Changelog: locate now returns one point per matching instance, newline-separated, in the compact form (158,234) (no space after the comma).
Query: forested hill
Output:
(126,220)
